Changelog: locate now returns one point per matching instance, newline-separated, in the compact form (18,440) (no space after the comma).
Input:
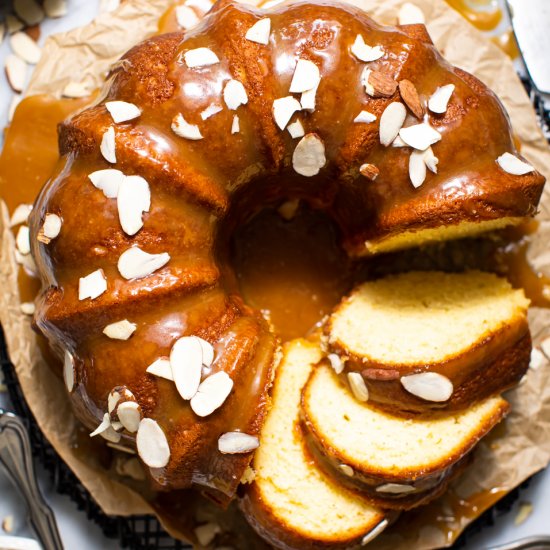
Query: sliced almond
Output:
(398,142)
(369,171)
(152,445)
(129,415)
(234,95)
(211,110)
(395,489)
(309,156)
(288,209)
(16,71)
(106,430)
(68,371)
(391,122)
(364,52)
(122,111)
(27,261)
(439,101)
(211,394)
(237,443)
(186,17)
(411,14)
(346,470)
(55,8)
(306,77)
(200,57)
(13,23)
(108,181)
(431,160)
(417,168)
(76,90)
(430,386)
(308,100)
(369,537)
(20,214)
(235,126)
(207,533)
(113,399)
(260,31)
(8,527)
(183,129)
(51,228)
(121,330)
(207,352)
(25,47)
(336,363)
(122,449)
(161,368)
(513,165)
(133,199)
(29,11)
(108,145)
(364,117)
(296,129)
(22,240)
(378,84)
(134,263)
(410,97)
(28,308)
(420,136)
(92,286)
(358,386)
(186,364)
(283,110)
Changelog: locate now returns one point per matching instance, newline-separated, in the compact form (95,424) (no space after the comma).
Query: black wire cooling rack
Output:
(145,532)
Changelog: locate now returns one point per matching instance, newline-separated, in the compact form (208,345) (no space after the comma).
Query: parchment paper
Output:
(520,450)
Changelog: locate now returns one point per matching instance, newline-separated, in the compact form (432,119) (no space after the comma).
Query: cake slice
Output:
(398,463)
(292,503)
(427,340)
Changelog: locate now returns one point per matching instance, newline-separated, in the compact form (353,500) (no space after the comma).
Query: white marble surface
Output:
(78,532)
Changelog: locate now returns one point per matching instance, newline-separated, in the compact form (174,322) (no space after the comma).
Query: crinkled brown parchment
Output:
(520,450)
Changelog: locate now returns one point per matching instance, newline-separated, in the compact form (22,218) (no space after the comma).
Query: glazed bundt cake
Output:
(193,133)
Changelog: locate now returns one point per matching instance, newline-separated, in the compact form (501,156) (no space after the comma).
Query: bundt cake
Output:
(424,340)
(193,133)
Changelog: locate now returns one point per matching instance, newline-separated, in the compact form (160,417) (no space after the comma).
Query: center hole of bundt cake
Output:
(288,263)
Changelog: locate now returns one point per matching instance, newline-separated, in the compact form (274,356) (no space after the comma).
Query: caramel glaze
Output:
(484,20)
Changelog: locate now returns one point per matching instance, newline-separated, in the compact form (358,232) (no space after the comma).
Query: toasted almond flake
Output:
(129,415)
(391,122)
(68,371)
(308,100)
(7,526)
(152,445)
(186,17)
(161,367)
(431,160)
(430,386)
(133,199)
(16,71)
(121,330)
(108,181)
(207,533)
(398,142)
(537,359)
(358,386)
(336,363)
(411,14)
(545,347)
(234,95)
(364,52)
(525,510)
(237,443)
(55,8)
(346,470)
(29,11)
(76,90)
(309,155)
(92,286)
(369,537)
(122,111)
(200,57)
(15,100)
(417,168)
(185,130)
(202,5)
(20,214)
(121,448)
(28,308)
(420,136)
(369,171)
(364,117)
(283,110)
(235,126)
(135,263)
(248,476)
(211,110)
(25,47)
(186,359)
(410,97)
(513,165)
(296,130)
(112,400)
(395,489)
(27,261)
(52,226)
(306,77)
(207,352)
(211,394)
(22,240)
(116,425)
(108,145)
(378,84)
(439,100)
(106,430)
(13,23)
(260,31)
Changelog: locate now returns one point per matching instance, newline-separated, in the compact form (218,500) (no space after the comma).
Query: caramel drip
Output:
(484,20)
(506,41)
